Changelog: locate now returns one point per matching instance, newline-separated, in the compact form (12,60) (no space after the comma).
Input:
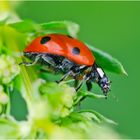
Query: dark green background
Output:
(115,28)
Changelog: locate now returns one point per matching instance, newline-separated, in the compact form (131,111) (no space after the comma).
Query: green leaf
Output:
(74,117)
(83,94)
(71,27)
(25,26)
(8,129)
(108,62)
(91,116)
(28,26)
(92,95)
(3,19)
(99,116)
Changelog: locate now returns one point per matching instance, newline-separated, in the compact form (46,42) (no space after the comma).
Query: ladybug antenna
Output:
(114,97)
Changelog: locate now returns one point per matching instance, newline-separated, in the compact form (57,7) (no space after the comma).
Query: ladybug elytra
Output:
(70,56)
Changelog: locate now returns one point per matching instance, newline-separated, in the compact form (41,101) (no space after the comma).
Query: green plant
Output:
(52,108)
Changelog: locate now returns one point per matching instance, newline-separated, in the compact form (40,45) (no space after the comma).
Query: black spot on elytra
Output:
(45,39)
(76,50)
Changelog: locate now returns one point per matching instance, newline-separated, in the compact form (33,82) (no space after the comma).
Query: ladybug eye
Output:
(76,50)
(45,39)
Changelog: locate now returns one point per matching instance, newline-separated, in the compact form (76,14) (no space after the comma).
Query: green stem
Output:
(8,106)
(27,83)
(100,116)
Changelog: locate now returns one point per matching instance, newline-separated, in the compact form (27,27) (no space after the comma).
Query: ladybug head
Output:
(102,79)
(104,83)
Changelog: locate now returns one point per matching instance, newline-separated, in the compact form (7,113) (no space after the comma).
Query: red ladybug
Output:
(69,55)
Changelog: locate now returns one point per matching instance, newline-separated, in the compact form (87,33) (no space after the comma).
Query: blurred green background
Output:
(115,28)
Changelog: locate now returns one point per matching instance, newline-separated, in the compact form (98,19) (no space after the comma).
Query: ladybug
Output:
(70,56)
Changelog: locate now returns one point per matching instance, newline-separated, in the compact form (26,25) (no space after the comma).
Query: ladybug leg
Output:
(86,79)
(65,76)
(48,59)
(89,85)
(82,82)
(31,63)
(76,83)
(72,69)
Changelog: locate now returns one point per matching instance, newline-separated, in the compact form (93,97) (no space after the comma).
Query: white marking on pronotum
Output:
(100,71)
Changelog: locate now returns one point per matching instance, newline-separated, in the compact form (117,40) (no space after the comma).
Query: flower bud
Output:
(4,99)
(8,68)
